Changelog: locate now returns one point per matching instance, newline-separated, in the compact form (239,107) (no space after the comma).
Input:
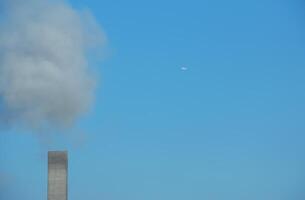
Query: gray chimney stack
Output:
(57,175)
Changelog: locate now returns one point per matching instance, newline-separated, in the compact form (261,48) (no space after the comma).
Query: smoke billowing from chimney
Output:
(44,73)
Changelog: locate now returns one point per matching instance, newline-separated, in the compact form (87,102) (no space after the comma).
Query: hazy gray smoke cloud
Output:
(44,73)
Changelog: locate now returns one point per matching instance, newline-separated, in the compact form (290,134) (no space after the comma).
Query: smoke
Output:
(45,80)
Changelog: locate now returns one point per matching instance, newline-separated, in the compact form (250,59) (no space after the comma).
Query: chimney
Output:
(57,175)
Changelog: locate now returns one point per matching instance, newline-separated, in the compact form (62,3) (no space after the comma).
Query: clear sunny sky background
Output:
(230,127)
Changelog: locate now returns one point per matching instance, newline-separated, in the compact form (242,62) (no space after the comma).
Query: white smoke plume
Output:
(45,79)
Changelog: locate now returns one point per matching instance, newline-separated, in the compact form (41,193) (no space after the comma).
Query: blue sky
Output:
(231,127)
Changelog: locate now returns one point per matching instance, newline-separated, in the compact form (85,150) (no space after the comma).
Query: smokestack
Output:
(57,175)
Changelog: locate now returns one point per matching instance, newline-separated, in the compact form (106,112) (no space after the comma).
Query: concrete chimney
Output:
(57,175)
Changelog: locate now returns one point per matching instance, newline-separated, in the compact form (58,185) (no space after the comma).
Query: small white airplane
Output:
(184,68)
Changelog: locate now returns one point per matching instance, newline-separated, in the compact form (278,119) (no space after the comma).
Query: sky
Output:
(194,100)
